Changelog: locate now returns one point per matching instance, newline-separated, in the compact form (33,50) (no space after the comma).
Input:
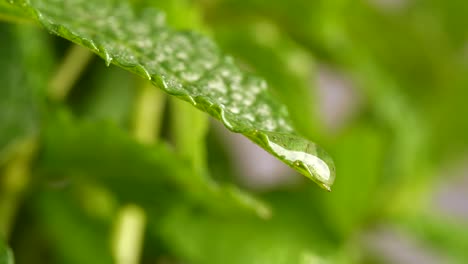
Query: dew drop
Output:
(304,156)
(234,110)
(107,59)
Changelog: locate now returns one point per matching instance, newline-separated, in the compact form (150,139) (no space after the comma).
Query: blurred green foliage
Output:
(69,166)
(6,257)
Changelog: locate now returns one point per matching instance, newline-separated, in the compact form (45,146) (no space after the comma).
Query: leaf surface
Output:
(188,66)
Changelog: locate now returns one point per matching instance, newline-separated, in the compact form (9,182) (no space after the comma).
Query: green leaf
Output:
(181,14)
(13,13)
(74,236)
(22,82)
(6,256)
(188,66)
(152,176)
(17,102)
(292,235)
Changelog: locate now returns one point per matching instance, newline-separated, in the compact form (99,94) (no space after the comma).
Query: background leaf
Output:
(19,98)
(202,237)
(133,171)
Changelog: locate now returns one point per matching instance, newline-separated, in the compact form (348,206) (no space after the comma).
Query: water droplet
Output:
(249,117)
(190,76)
(269,124)
(181,55)
(107,58)
(236,97)
(304,156)
(234,109)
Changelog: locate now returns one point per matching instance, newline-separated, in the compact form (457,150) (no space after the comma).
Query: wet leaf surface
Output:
(183,64)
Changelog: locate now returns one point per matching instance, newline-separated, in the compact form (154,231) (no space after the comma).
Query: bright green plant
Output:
(108,153)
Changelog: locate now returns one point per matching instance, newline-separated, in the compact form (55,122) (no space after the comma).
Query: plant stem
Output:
(128,236)
(190,145)
(130,224)
(72,66)
(13,184)
(148,114)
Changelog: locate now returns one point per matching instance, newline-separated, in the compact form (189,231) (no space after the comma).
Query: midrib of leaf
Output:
(184,64)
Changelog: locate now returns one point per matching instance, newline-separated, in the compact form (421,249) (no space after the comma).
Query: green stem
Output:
(13,184)
(128,236)
(191,145)
(75,62)
(148,114)
(130,224)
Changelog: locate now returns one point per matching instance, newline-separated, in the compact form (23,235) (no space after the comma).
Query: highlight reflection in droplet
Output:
(304,156)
